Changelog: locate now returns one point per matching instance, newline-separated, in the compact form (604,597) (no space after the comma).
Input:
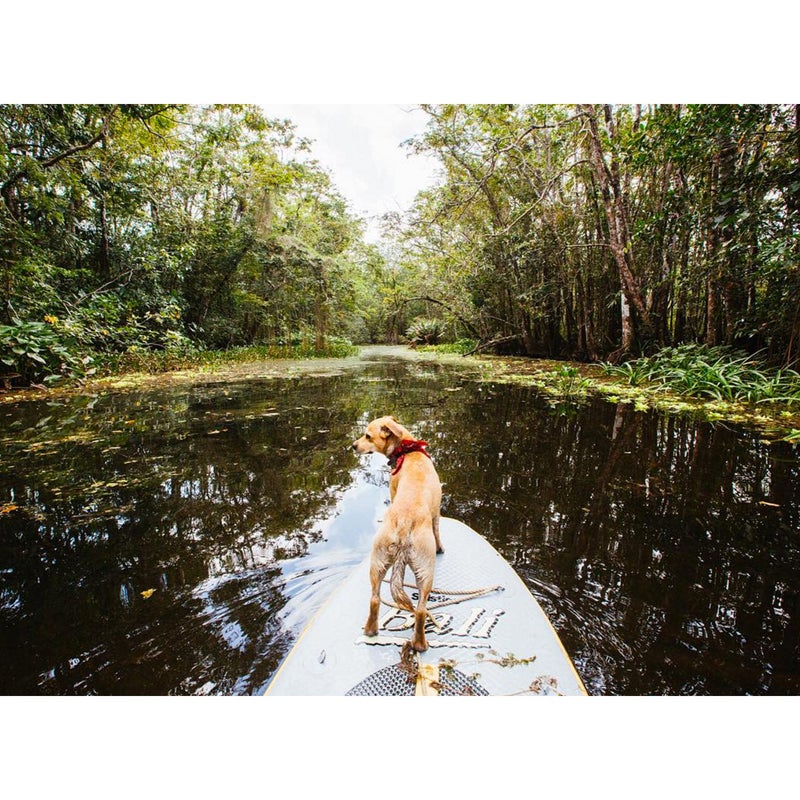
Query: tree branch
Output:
(493,342)
(71,151)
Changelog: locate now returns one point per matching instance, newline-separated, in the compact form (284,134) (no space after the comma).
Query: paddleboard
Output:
(488,635)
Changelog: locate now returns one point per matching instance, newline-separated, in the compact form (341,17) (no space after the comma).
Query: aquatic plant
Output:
(570,383)
(716,373)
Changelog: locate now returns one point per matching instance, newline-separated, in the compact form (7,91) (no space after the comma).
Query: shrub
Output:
(424,330)
(41,352)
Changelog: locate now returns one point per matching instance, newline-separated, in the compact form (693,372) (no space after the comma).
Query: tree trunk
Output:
(587,341)
(570,328)
(628,330)
(732,294)
(713,313)
(679,327)
(321,310)
(619,238)
(105,246)
(722,302)
(793,345)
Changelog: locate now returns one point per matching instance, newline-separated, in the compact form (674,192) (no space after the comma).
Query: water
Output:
(175,541)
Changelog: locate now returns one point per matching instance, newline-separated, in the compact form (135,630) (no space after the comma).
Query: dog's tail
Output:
(396,581)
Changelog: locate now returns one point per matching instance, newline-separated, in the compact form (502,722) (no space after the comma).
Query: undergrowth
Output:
(50,353)
(166,361)
(716,373)
(461,347)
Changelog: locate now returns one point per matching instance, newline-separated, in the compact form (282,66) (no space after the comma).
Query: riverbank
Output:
(201,366)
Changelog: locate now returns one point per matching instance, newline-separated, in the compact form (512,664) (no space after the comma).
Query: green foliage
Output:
(460,347)
(154,231)
(717,373)
(570,383)
(334,347)
(156,361)
(41,352)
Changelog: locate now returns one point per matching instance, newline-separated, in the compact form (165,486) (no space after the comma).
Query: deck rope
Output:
(457,596)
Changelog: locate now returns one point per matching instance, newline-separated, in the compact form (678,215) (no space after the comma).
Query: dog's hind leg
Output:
(423,567)
(418,640)
(379,563)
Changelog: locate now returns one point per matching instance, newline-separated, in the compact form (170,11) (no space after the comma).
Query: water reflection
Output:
(176,542)
(665,550)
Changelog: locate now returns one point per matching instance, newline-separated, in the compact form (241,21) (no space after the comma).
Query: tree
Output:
(615,203)
(603,231)
(157,227)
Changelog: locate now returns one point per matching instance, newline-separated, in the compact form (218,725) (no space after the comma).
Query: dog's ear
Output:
(391,426)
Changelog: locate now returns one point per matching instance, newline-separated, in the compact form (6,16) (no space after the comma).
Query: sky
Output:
(361,147)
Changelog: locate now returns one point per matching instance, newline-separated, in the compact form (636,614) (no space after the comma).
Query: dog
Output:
(409,533)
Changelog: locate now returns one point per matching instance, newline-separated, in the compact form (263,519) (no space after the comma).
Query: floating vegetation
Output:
(771,406)
(136,369)
(677,381)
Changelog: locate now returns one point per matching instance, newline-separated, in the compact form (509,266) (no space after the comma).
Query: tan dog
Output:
(409,533)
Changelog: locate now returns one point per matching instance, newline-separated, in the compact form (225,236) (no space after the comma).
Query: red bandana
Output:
(403,449)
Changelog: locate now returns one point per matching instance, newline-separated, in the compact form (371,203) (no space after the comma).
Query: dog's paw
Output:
(420,645)
(370,630)
(439,551)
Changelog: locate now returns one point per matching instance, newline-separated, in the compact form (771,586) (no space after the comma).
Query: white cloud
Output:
(361,146)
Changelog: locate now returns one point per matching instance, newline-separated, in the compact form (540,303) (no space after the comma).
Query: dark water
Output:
(176,542)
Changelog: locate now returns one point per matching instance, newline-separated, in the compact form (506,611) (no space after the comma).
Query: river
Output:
(174,540)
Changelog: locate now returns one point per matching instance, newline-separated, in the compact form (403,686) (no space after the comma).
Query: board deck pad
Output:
(488,636)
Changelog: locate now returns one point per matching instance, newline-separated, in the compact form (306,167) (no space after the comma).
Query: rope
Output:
(460,594)
(466,595)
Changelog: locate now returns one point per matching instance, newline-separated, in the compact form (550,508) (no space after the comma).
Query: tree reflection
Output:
(172,503)
(664,549)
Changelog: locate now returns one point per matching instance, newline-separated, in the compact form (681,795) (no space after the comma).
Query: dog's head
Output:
(382,436)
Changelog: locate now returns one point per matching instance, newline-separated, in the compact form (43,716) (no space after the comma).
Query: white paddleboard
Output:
(488,636)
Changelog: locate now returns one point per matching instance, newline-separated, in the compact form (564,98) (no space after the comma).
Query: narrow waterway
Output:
(176,540)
